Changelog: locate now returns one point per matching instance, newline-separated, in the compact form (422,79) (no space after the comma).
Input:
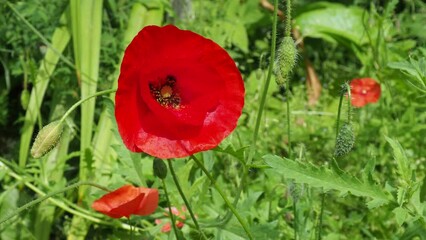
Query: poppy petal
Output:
(364,91)
(204,93)
(126,201)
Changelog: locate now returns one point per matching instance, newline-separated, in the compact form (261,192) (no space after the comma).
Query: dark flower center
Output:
(165,93)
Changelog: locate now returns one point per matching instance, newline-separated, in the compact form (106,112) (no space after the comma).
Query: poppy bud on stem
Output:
(345,137)
(50,134)
(286,60)
(345,140)
(47,139)
(160,168)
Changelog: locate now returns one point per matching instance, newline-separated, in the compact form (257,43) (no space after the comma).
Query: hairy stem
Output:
(73,107)
(172,218)
(175,179)
(222,194)
(40,199)
(265,87)
(288,19)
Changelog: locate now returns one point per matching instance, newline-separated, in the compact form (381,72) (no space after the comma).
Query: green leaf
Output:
(333,22)
(415,70)
(327,179)
(401,215)
(60,40)
(401,159)
(239,37)
(8,203)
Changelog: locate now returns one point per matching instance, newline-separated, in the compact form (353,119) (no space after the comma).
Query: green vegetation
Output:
(292,169)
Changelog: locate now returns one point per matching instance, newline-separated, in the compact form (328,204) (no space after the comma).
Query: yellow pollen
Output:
(364,91)
(166,91)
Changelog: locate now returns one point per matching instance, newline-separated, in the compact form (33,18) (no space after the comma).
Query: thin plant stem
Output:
(288,19)
(188,206)
(295,228)
(73,107)
(40,199)
(320,217)
(259,113)
(338,114)
(339,110)
(265,87)
(287,34)
(288,117)
(64,204)
(348,87)
(131,229)
(222,194)
(172,218)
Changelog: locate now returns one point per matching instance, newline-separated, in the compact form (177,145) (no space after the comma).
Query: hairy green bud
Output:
(160,168)
(345,140)
(286,60)
(47,139)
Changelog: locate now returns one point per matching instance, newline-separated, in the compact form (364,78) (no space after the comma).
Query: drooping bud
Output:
(345,140)
(286,59)
(25,99)
(160,168)
(47,139)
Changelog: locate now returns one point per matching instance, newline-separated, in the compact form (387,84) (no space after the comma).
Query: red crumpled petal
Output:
(126,201)
(364,91)
(209,84)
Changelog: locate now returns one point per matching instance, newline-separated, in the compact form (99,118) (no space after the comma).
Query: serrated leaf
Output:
(375,203)
(401,159)
(327,179)
(415,70)
(400,195)
(367,172)
(401,215)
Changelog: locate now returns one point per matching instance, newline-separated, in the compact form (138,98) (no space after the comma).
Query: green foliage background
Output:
(377,191)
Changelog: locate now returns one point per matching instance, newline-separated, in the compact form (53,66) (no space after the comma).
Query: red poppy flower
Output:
(128,200)
(364,91)
(179,222)
(178,93)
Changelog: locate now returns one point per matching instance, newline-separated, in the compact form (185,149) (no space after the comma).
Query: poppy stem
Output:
(338,114)
(73,107)
(288,118)
(265,87)
(175,179)
(40,199)
(339,110)
(348,87)
(222,194)
(288,19)
(173,223)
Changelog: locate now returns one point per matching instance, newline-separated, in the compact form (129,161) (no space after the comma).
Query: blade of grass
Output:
(140,17)
(60,40)
(86,24)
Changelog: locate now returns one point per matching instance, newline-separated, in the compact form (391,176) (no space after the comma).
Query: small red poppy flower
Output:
(178,93)
(126,201)
(179,222)
(364,91)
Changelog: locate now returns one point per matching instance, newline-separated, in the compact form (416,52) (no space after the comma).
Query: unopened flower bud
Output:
(160,168)
(47,139)
(345,140)
(287,54)
(25,99)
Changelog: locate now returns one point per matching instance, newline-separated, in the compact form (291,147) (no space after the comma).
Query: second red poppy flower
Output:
(178,93)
